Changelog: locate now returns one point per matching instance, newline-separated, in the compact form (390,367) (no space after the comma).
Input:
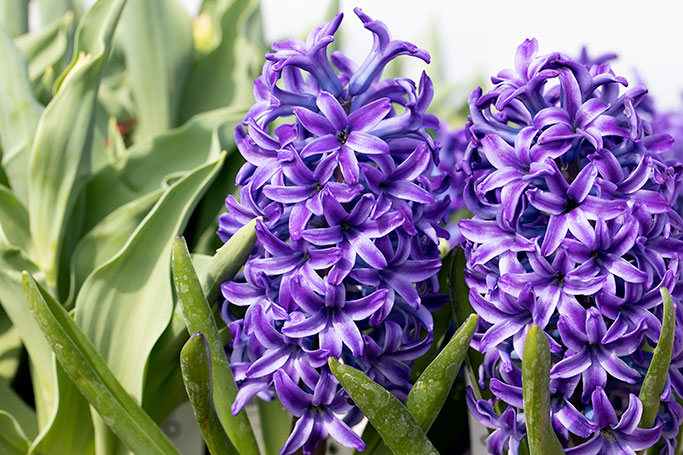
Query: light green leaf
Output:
(398,428)
(14,16)
(147,163)
(157,35)
(59,161)
(22,414)
(85,366)
(433,386)
(195,362)
(536,390)
(224,77)
(125,304)
(103,241)
(10,350)
(13,441)
(19,115)
(228,260)
(199,318)
(51,10)
(48,49)
(658,371)
(14,227)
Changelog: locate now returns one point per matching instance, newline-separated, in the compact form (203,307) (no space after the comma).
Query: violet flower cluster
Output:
(340,171)
(453,145)
(574,229)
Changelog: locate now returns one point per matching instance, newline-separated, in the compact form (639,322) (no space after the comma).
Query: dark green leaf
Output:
(195,363)
(398,428)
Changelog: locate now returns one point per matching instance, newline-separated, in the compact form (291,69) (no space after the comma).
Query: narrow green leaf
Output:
(19,116)
(87,369)
(658,371)
(13,441)
(14,16)
(157,37)
(276,423)
(59,161)
(224,76)
(199,318)
(433,386)
(147,163)
(228,260)
(195,362)
(536,390)
(398,428)
(14,221)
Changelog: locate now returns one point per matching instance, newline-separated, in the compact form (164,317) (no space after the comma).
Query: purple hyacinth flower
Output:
(342,174)
(620,436)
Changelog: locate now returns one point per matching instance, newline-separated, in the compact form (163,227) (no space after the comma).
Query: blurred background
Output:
(476,39)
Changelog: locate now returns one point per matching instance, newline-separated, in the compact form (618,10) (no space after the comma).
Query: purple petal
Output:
(322,144)
(315,123)
(603,412)
(300,434)
(295,400)
(342,433)
(368,116)
(334,112)
(366,143)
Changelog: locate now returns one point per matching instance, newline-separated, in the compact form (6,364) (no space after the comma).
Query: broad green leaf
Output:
(19,115)
(199,318)
(157,35)
(195,362)
(22,414)
(87,369)
(276,423)
(228,260)
(61,435)
(147,163)
(48,49)
(59,161)
(536,390)
(10,349)
(14,16)
(51,10)
(14,228)
(13,441)
(658,371)
(398,428)
(13,301)
(433,386)
(103,241)
(224,77)
(126,303)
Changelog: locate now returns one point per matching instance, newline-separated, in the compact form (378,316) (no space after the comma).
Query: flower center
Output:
(608,434)
(345,225)
(319,187)
(342,136)
(570,204)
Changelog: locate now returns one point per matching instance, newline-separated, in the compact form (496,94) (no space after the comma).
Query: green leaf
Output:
(398,428)
(14,226)
(228,260)
(48,50)
(103,241)
(224,77)
(19,116)
(276,422)
(199,318)
(59,161)
(195,362)
(21,413)
(126,303)
(10,349)
(433,386)
(13,441)
(87,369)
(148,163)
(14,16)
(51,10)
(536,391)
(658,371)
(157,36)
